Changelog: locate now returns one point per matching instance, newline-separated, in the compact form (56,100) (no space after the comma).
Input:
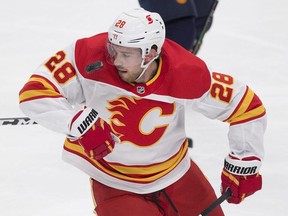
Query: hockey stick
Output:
(28,121)
(217,202)
(205,28)
(17,121)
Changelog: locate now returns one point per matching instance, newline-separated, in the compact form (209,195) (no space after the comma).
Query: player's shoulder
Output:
(187,74)
(95,41)
(180,57)
(90,50)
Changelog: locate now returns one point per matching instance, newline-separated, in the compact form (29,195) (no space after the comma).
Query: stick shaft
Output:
(217,202)
(17,121)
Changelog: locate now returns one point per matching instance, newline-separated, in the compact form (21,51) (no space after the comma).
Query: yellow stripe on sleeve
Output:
(30,90)
(242,113)
(244,105)
(248,115)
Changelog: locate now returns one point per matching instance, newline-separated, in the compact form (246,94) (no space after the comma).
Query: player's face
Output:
(127,60)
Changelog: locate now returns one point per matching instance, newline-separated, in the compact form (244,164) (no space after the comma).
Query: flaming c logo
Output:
(139,121)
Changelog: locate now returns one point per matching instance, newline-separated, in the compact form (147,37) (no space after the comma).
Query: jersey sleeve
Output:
(231,101)
(51,94)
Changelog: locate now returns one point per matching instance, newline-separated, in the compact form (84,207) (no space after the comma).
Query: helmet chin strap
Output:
(145,67)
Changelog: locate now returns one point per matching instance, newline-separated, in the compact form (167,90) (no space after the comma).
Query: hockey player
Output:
(129,135)
(186,21)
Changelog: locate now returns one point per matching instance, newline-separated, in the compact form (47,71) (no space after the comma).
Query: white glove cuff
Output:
(83,122)
(241,167)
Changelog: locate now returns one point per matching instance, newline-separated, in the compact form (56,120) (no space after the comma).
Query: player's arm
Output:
(50,97)
(50,93)
(233,102)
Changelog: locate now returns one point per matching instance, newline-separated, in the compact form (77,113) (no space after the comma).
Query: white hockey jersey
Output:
(148,118)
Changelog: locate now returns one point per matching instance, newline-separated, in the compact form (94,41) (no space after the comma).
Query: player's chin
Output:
(124,76)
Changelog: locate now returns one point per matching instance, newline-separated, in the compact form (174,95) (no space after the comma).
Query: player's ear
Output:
(152,54)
